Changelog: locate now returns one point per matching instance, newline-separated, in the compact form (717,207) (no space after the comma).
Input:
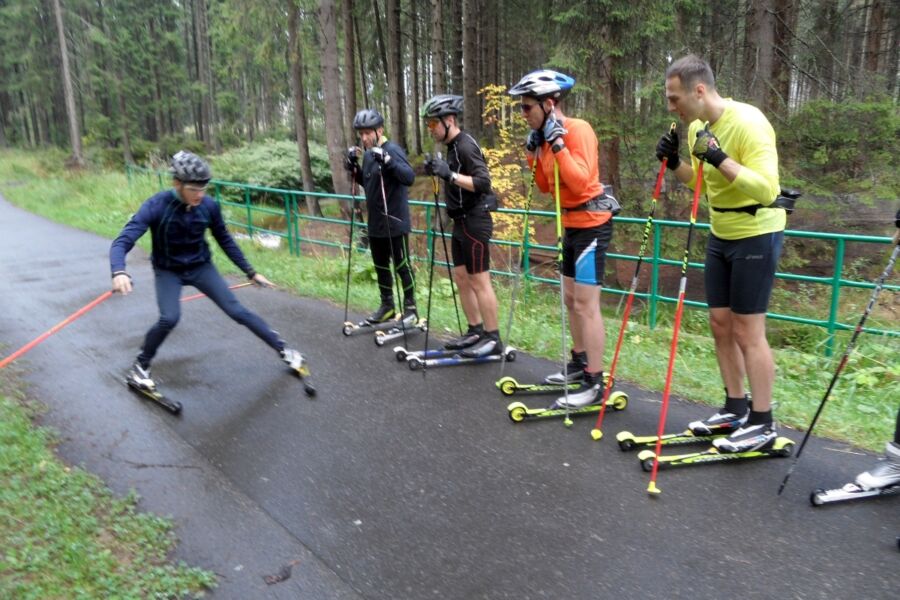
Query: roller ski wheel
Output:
(518,412)
(153,394)
(350,328)
(782,447)
(414,363)
(628,441)
(413,326)
(850,492)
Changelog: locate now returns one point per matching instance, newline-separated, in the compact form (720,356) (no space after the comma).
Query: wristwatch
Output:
(453,177)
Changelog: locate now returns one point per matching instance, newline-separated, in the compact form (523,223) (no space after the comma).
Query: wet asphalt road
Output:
(390,485)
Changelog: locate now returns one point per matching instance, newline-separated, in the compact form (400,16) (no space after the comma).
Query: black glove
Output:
(553,131)
(534,140)
(440,168)
(352,161)
(380,156)
(668,148)
(707,148)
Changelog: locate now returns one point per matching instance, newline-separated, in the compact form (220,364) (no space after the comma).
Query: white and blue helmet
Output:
(543,84)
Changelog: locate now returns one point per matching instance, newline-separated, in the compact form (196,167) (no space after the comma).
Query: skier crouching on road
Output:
(385,176)
(178,219)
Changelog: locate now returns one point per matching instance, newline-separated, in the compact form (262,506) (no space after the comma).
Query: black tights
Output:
(381,256)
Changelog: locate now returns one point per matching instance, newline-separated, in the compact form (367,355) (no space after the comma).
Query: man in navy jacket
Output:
(178,219)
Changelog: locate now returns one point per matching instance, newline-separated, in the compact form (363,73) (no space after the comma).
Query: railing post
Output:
(287,221)
(249,212)
(835,295)
(654,274)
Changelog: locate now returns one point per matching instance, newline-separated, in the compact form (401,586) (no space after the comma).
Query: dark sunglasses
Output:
(526,108)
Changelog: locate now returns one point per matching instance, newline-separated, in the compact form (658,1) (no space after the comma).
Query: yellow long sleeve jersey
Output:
(747,137)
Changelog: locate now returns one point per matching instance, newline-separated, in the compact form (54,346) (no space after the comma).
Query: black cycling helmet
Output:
(368,118)
(442,105)
(543,84)
(189,168)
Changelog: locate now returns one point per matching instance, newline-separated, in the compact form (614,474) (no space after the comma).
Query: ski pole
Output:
(567,421)
(350,243)
(93,303)
(597,432)
(520,265)
(682,286)
(230,287)
(859,326)
(393,260)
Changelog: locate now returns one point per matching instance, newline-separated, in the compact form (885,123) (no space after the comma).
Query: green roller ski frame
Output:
(508,386)
(518,412)
(782,447)
(628,441)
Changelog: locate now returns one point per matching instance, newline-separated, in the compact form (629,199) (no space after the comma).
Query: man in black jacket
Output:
(178,219)
(469,202)
(385,176)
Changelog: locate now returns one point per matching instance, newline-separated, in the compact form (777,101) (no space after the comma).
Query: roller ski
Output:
(414,325)
(139,380)
(720,425)
(509,386)
(781,447)
(883,479)
(453,358)
(402,354)
(587,401)
(296,362)
(384,318)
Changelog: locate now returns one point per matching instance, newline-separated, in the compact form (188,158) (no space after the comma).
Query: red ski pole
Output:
(597,432)
(99,300)
(682,286)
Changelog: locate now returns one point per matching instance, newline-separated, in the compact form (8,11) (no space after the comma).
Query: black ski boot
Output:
(574,370)
(469,338)
(383,313)
(488,345)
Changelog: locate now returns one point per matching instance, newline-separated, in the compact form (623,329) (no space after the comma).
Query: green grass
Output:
(65,535)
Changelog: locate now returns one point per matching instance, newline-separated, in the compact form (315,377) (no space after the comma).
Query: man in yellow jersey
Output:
(740,180)
(570,145)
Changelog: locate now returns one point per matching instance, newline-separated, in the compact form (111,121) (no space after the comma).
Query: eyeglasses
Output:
(195,188)
(526,108)
(432,123)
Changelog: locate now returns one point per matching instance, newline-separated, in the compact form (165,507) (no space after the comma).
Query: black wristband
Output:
(557,146)
(117,273)
(715,157)
(251,274)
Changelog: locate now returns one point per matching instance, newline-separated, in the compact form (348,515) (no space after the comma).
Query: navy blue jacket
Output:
(178,234)
(398,176)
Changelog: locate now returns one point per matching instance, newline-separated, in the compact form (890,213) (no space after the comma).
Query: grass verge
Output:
(65,535)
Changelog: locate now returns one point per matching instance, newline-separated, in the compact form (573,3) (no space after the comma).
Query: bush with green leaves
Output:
(273,163)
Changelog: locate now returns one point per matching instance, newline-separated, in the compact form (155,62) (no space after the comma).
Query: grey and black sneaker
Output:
(410,313)
(469,338)
(886,471)
(140,377)
(488,345)
(293,358)
(589,392)
(748,438)
(574,370)
(383,313)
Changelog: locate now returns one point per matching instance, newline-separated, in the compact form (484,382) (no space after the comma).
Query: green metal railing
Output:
(226,192)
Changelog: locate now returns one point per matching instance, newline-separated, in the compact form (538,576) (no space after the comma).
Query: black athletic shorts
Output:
(584,253)
(739,274)
(471,242)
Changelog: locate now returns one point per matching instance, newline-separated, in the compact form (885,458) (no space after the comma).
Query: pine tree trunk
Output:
(456,47)
(416,70)
(295,60)
(350,105)
(470,61)
(874,33)
(396,88)
(785,26)
(439,82)
(77,158)
(332,96)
